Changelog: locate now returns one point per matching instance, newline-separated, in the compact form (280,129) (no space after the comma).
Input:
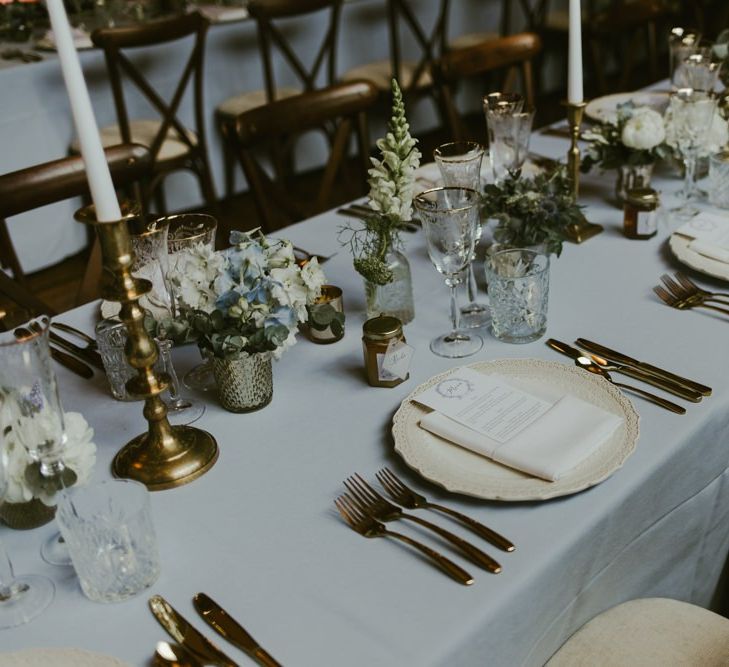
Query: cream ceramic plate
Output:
(605,109)
(711,267)
(459,470)
(58,657)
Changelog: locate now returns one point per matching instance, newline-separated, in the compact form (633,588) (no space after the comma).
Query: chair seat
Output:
(651,632)
(380,75)
(236,105)
(472,38)
(143,132)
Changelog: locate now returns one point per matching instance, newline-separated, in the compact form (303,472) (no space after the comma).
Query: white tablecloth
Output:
(36,125)
(260,534)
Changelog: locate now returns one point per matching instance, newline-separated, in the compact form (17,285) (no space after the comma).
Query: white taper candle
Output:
(97,169)
(574,69)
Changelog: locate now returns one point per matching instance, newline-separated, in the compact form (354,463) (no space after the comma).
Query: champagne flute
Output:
(692,113)
(187,231)
(22,357)
(460,166)
(151,261)
(496,106)
(450,218)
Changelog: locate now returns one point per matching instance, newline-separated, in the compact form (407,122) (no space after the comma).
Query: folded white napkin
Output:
(709,232)
(717,251)
(561,439)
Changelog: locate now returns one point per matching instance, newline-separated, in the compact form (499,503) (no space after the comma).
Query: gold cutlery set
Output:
(191,647)
(596,358)
(682,293)
(78,359)
(364,509)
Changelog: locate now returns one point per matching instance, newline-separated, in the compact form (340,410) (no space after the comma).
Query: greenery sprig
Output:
(532,211)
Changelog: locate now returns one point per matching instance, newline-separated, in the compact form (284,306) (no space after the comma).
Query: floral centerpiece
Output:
(532,211)
(377,247)
(24,425)
(243,306)
(632,145)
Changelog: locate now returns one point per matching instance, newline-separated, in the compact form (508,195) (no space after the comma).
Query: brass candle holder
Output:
(165,456)
(577,232)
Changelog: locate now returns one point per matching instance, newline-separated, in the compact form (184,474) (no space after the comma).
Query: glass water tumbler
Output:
(110,535)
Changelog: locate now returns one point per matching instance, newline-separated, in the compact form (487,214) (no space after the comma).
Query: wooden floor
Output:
(58,285)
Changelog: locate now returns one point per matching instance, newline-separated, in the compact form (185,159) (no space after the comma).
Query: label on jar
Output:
(646,223)
(396,360)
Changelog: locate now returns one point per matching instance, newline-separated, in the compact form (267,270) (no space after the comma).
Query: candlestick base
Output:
(579,232)
(165,456)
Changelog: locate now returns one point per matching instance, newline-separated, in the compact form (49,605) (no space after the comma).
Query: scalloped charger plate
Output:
(461,471)
(681,248)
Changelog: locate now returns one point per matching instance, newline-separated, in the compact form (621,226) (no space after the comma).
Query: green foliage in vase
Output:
(391,180)
(323,316)
(532,211)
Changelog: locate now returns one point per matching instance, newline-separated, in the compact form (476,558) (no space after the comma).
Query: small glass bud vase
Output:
(396,297)
(632,177)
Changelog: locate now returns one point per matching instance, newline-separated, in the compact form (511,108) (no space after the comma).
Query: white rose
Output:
(644,130)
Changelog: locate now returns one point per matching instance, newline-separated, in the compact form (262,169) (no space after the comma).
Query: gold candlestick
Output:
(165,456)
(578,232)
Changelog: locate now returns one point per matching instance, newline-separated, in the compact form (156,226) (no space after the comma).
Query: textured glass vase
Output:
(630,177)
(396,297)
(244,384)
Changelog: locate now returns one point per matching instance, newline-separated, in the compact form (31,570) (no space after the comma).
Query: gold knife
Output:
(217,618)
(182,632)
(624,359)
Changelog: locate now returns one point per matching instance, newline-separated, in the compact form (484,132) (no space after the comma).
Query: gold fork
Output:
(690,284)
(369,527)
(682,303)
(406,497)
(372,503)
(689,294)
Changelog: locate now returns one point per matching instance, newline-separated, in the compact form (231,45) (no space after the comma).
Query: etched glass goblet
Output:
(450,218)
(460,166)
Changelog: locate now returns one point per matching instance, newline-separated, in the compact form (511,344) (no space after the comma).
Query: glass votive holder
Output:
(518,281)
(326,317)
(110,536)
(719,179)
(111,337)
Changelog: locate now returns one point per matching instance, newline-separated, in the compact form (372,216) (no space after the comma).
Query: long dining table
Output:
(259,532)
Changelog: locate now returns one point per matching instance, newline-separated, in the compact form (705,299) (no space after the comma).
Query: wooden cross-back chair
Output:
(173,146)
(271,129)
(269,15)
(509,57)
(414,76)
(52,182)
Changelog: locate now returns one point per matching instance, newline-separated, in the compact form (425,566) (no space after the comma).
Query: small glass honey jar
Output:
(377,334)
(640,212)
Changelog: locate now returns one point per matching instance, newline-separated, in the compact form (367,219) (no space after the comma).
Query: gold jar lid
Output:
(642,197)
(382,328)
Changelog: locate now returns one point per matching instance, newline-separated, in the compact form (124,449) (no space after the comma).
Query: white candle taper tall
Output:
(97,169)
(574,69)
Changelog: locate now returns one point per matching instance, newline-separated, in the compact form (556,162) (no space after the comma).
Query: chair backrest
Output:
(626,28)
(53,182)
(509,56)
(267,14)
(114,41)
(432,44)
(340,110)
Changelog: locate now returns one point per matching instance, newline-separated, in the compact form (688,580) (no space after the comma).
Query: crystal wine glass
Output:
(151,261)
(509,141)
(21,598)
(700,71)
(682,42)
(495,106)
(450,220)
(186,231)
(692,113)
(460,166)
